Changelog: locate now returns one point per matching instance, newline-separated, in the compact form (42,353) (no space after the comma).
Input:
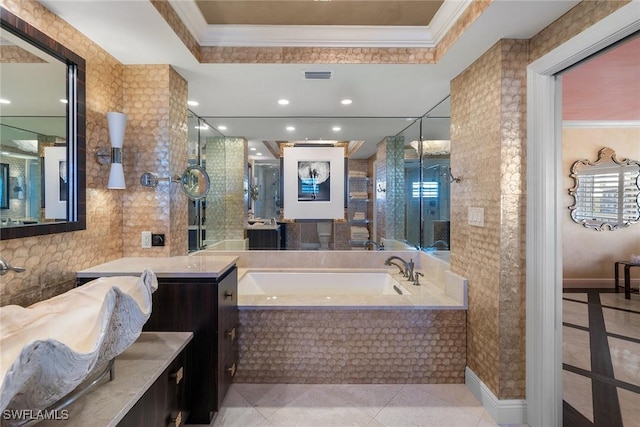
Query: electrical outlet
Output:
(146,239)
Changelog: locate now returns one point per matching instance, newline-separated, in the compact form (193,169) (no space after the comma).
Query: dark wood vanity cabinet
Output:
(164,403)
(206,306)
(264,238)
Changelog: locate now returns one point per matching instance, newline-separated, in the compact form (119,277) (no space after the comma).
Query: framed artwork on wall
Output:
(55,182)
(313,182)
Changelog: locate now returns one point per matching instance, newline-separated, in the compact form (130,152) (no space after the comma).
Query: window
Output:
(429,190)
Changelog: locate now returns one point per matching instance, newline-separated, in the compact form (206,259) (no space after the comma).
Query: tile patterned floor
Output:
(601,382)
(601,359)
(322,405)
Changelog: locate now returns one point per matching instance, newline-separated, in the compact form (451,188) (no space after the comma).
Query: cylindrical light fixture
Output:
(117,123)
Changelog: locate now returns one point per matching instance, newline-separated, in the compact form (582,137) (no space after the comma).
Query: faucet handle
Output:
(5,267)
(417,281)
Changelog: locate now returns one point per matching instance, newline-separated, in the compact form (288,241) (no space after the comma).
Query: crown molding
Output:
(319,35)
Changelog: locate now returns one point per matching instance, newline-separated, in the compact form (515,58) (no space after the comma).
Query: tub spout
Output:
(408,266)
(377,246)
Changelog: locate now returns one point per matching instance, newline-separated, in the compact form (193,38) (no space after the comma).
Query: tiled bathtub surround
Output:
(351,346)
(352,343)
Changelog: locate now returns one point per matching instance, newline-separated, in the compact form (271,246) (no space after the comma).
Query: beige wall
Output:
(586,253)
(113,216)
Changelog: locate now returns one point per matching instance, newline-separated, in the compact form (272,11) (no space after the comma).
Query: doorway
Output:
(544,207)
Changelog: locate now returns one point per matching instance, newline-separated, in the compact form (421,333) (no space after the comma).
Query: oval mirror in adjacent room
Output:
(606,191)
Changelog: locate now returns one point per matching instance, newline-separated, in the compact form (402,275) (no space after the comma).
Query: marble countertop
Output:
(135,371)
(163,267)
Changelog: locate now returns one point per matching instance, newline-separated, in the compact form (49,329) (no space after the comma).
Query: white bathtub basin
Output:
(326,284)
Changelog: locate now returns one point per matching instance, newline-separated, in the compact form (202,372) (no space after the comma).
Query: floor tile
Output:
(574,343)
(622,322)
(414,406)
(370,398)
(237,412)
(576,313)
(625,356)
(576,296)
(576,391)
(618,300)
(630,407)
(318,407)
(268,398)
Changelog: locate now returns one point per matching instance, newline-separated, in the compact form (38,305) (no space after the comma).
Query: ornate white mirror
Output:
(606,192)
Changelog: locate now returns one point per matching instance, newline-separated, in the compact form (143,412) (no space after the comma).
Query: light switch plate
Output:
(146,239)
(476,216)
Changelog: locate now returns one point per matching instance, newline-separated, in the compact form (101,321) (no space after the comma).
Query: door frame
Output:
(544,210)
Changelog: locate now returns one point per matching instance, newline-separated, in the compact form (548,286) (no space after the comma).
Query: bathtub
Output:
(347,326)
(322,284)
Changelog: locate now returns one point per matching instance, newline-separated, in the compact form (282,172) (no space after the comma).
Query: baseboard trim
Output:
(511,411)
(597,283)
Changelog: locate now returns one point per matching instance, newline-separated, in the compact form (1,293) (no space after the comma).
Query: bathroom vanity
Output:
(264,237)
(199,295)
(147,388)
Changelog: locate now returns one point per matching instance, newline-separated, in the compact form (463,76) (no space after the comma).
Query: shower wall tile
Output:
(227,200)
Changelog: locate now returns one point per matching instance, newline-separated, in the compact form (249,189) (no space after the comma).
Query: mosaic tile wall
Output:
(52,260)
(493,132)
(395,194)
(351,346)
(227,200)
(153,143)
(492,257)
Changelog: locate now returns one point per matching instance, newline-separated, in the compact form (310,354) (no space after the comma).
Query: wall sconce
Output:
(149,179)
(117,123)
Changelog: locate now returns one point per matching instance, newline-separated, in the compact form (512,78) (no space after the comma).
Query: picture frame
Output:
(55,182)
(314,182)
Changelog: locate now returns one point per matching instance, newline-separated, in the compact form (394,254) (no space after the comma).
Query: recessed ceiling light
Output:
(283,101)
(252,148)
(222,127)
(64,101)
(4,101)
(336,128)
(202,126)
(290,128)
(258,154)
(346,101)
(193,103)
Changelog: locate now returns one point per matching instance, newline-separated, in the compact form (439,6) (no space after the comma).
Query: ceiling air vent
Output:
(318,75)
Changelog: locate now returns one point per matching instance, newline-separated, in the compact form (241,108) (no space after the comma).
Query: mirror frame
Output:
(185,180)
(607,156)
(76,130)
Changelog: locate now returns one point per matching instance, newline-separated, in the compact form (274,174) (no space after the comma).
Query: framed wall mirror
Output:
(606,191)
(42,120)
